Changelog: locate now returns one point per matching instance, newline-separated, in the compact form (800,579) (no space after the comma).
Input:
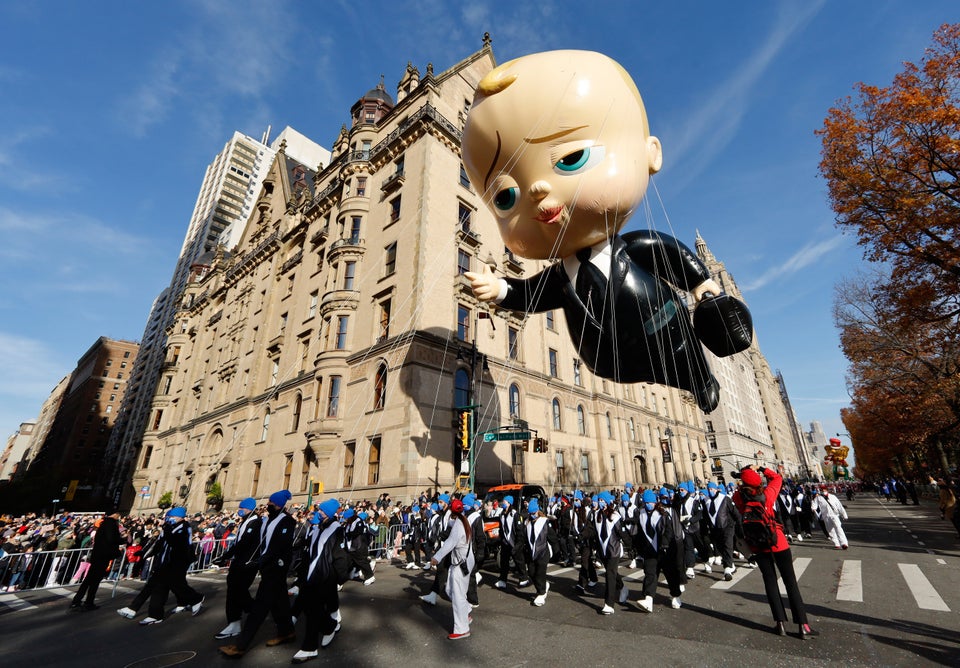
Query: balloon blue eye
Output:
(506,198)
(580,160)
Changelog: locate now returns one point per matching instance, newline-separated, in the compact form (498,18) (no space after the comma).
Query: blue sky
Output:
(111,112)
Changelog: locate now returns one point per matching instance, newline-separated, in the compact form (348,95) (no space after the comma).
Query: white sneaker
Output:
(523,583)
(478,577)
(540,600)
(683,588)
(369,581)
(197,607)
(293,620)
(607,610)
(339,587)
(728,574)
(624,594)
(327,639)
(706,568)
(336,616)
(675,602)
(129,613)
(632,564)
(690,574)
(411,565)
(800,537)
(373,564)
(303,655)
(715,561)
(646,603)
(147,621)
(179,608)
(426,566)
(230,630)
(430,598)
(750,564)
(500,584)
(293,591)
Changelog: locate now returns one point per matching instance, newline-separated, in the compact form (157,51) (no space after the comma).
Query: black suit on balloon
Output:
(634,327)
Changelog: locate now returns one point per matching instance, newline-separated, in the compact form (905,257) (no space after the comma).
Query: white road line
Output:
(560,571)
(941,562)
(62,591)
(635,575)
(923,592)
(738,575)
(16,603)
(851,583)
(799,566)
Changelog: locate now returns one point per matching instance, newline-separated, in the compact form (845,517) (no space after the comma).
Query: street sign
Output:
(145,489)
(489,436)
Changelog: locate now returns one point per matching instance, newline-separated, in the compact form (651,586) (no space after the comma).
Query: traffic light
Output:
(539,445)
(463,434)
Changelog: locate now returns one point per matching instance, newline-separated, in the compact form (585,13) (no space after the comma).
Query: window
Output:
(464,179)
(123,365)
(581,421)
(463,217)
(342,322)
(577,377)
(585,469)
(287,471)
(557,422)
(126,355)
(514,401)
(399,164)
(380,388)
(384,319)
(550,323)
(613,466)
(390,259)
(609,426)
(355,229)
(297,408)
(463,323)
(156,418)
(314,298)
(109,362)
(361,185)
(120,376)
(558,459)
(395,209)
(513,343)
(333,397)
(283,323)
(552,357)
(113,397)
(304,475)
(109,409)
(274,371)
(174,357)
(101,384)
(304,352)
(266,426)
(463,262)
(147,454)
(256,479)
(461,388)
(94,406)
(708,425)
(349,273)
(116,386)
(373,462)
(632,427)
(349,453)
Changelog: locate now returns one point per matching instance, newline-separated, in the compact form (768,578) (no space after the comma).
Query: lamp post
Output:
(470,409)
(668,454)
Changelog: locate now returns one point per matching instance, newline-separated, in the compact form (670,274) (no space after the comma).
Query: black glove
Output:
(723,324)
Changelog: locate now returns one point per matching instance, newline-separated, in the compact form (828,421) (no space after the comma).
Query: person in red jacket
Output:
(772,554)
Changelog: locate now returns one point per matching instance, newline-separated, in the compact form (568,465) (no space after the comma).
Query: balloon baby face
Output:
(558,144)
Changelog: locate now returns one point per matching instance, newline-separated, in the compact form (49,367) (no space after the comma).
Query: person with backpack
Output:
(755,502)
(457,550)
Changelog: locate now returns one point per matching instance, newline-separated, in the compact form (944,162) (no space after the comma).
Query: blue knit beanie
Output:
(279,499)
(533,506)
(249,503)
(330,507)
(649,496)
(179,511)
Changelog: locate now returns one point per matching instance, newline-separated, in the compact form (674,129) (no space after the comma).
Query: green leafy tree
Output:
(215,496)
(165,500)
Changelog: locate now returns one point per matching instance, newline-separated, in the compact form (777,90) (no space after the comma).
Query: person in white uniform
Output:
(831,512)
(458,546)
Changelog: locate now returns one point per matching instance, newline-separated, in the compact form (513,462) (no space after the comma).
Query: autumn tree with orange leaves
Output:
(891,158)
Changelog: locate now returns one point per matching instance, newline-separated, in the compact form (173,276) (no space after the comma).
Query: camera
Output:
(735,474)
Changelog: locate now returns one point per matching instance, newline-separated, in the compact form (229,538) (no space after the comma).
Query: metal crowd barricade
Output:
(388,544)
(25,571)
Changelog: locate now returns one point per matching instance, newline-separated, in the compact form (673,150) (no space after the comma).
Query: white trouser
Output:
(457,584)
(834,530)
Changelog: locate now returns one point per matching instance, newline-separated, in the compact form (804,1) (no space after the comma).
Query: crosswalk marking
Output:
(560,571)
(738,575)
(799,566)
(923,592)
(16,603)
(851,584)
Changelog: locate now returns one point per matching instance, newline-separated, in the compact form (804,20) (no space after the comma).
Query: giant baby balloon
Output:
(558,144)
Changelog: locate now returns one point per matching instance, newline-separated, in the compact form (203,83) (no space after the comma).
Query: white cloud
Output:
(27,367)
(718,117)
(806,256)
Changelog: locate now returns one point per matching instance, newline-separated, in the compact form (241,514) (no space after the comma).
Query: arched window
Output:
(557,424)
(266,425)
(461,388)
(514,401)
(297,407)
(380,387)
(581,421)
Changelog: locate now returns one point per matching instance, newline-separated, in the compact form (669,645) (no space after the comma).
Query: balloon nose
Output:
(539,190)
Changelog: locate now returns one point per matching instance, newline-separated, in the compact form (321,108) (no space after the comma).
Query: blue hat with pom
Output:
(605,497)
(363,515)
(664,492)
(178,511)
(315,517)
(712,485)
(578,494)
(348,513)
(249,503)
(649,496)
(508,499)
(469,500)
(444,497)
(280,499)
(625,499)
(533,506)
(330,507)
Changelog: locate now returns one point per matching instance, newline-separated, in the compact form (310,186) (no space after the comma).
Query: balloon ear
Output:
(723,324)
(654,155)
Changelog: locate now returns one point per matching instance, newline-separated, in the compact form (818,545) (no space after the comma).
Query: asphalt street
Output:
(890,600)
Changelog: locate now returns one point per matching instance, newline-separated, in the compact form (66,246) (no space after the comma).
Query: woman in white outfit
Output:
(831,512)
(457,545)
